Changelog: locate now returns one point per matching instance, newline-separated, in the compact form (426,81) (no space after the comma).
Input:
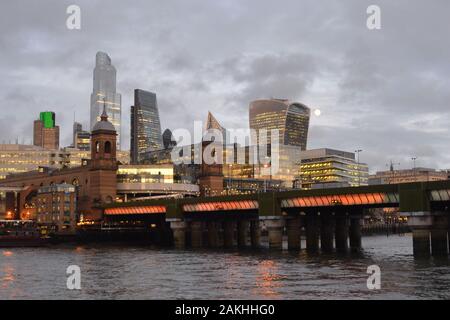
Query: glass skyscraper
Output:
(290,118)
(104,93)
(145,125)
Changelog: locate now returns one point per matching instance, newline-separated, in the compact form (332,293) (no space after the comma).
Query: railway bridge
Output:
(331,218)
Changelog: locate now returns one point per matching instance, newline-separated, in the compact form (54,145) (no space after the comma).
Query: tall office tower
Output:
(104,92)
(45,132)
(81,139)
(290,118)
(145,132)
(77,127)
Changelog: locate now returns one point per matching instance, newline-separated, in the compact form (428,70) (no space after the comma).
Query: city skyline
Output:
(371,93)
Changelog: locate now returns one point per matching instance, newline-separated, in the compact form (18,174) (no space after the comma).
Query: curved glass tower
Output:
(104,92)
(290,118)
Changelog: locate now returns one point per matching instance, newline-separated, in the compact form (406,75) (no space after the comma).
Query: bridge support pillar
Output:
(293,226)
(439,241)
(242,227)
(179,234)
(196,234)
(421,242)
(420,223)
(341,233)
(275,230)
(213,234)
(228,233)
(312,232)
(327,233)
(355,233)
(255,234)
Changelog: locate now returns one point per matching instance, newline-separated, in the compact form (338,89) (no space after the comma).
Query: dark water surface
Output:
(127,272)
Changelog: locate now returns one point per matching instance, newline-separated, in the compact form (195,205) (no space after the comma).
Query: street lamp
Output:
(359,173)
(414,166)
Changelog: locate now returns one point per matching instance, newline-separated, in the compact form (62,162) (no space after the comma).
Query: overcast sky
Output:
(384,91)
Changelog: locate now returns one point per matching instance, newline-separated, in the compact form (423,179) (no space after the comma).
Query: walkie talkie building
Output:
(291,119)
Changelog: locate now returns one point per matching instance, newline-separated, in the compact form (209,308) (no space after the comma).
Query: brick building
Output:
(95,179)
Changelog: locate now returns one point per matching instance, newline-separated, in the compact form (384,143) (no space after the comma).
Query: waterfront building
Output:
(408,175)
(329,168)
(291,119)
(55,207)
(139,182)
(104,93)
(8,202)
(145,126)
(19,158)
(99,180)
(46,132)
(95,180)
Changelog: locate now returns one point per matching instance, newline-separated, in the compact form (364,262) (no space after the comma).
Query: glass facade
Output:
(145,125)
(83,141)
(291,119)
(328,168)
(104,94)
(145,174)
(17,158)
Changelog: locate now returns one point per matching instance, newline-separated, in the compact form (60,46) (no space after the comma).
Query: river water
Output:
(130,272)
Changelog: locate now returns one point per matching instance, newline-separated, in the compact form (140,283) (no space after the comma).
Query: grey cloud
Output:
(386,91)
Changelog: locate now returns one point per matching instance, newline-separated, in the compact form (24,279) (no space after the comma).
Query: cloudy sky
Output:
(384,91)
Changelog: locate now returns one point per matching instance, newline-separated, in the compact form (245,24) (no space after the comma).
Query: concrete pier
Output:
(242,232)
(421,223)
(355,233)
(255,234)
(213,234)
(341,233)
(327,233)
(439,241)
(179,234)
(196,234)
(275,229)
(228,233)
(293,226)
(421,242)
(312,232)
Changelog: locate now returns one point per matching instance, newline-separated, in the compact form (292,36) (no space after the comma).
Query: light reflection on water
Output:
(126,272)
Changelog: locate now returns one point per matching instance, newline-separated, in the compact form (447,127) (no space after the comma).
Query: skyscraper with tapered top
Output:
(145,133)
(104,91)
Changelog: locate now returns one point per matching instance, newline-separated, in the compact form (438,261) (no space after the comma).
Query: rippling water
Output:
(126,272)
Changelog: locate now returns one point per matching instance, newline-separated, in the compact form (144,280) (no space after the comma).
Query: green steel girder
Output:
(413,197)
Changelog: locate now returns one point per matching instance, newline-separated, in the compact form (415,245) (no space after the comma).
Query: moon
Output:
(317,112)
